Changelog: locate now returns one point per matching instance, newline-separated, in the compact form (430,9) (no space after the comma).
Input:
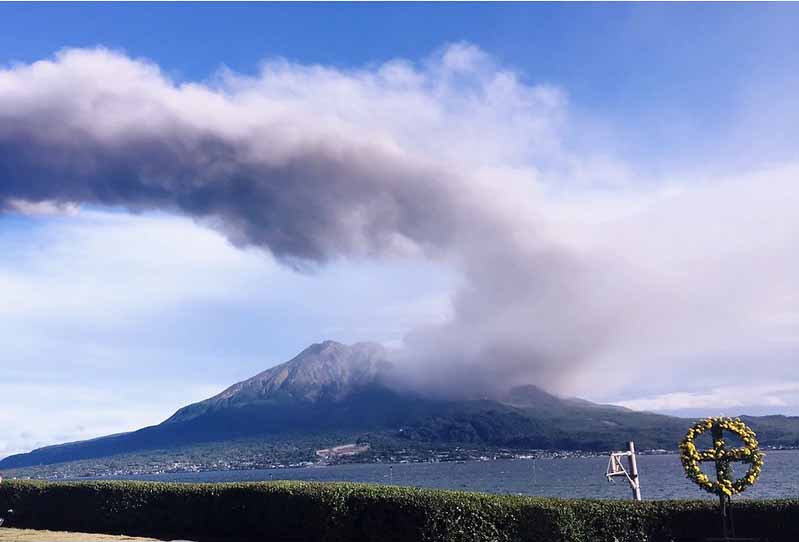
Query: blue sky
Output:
(671,95)
(628,64)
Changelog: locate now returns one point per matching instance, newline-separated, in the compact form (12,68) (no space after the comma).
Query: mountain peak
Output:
(325,371)
(319,347)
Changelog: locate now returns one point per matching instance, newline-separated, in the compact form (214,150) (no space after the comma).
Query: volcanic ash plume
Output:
(447,161)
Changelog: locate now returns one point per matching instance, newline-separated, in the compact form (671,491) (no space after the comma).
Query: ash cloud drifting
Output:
(95,127)
(448,161)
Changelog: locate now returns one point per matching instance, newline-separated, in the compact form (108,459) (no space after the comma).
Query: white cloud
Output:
(36,413)
(775,398)
(118,265)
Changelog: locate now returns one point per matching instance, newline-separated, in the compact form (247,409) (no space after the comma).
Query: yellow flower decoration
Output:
(721,456)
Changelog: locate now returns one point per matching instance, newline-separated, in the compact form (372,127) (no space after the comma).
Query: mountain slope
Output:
(324,372)
(333,388)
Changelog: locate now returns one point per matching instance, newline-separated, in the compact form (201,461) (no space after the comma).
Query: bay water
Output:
(662,477)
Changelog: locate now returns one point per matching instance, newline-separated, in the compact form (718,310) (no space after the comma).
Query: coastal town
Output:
(275,459)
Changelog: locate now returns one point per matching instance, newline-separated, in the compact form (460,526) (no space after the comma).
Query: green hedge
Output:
(299,511)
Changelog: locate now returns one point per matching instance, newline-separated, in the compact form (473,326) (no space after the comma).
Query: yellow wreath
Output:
(721,456)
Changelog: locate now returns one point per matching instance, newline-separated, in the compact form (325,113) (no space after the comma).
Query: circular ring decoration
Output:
(722,456)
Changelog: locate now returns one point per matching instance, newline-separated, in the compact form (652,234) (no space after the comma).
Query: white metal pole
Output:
(636,483)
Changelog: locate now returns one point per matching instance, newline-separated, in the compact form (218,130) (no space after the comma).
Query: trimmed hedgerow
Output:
(301,511)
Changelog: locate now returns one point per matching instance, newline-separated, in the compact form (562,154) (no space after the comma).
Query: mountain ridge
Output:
(330,388)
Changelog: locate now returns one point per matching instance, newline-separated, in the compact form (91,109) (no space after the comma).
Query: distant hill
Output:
(334,388)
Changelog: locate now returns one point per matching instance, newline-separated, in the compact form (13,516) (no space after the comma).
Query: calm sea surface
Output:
(661,477)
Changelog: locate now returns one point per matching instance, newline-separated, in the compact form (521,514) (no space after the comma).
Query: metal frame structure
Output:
(616,468)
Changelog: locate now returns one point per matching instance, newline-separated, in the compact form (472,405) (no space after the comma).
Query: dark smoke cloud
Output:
(314,164)
(314,203)
(115,136)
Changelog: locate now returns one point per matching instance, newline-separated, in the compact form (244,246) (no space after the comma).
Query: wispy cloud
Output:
(771,398)
(66,411)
